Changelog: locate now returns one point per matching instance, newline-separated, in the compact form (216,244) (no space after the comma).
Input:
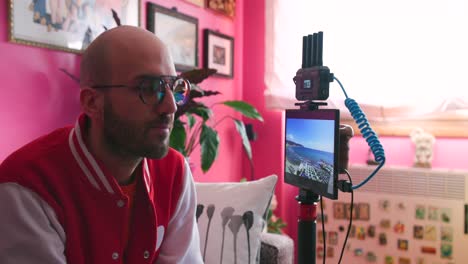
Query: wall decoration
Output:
(433,213)
(385,223)
(55,25)
(389,260)
(371,231)
(445,215)
(420,212)
(352,231)
(200,3)
(430,233)
(428,250)
(338,210)
(348,211)
(319,218)
(446,251)
(402,244)
(371,257)
(319,252)
(420,261)
(363,211)
(399,227)
(333,238)
(358,252)
(178,31)
(330,252)
(382,239)
(218,53)
(226,7)
(360,233)
(402,260)
(418,232)
(446,233)
(384,205)
(320,236)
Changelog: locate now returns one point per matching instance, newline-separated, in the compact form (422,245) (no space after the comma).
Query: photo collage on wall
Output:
(387,231)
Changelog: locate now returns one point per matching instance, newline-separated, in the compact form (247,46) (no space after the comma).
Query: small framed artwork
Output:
(225,7)
(363,211)
(200,3)
(219,53)
(67,27)
(338,210)
(178,31)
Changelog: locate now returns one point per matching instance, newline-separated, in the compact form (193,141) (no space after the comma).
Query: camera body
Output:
(313,83)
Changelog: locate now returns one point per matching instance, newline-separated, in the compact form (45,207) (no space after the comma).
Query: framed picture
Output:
(178,31)
(219,53)
(200,3)
(363,211)
(226,7)
(56,24)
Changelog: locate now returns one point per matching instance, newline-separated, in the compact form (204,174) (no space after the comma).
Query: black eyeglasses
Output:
(152,89)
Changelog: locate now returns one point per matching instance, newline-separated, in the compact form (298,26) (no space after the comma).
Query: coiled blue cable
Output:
(367,133)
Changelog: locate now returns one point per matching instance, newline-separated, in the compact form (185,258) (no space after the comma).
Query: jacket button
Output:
(120,203)
(115,255)
(146,254)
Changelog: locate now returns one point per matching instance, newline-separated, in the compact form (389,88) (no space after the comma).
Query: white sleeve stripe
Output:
(183,193)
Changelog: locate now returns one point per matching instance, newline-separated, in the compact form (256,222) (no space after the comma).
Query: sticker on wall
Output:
(352,232)
(446,251)
(420,212)
(338,210)
(332,238)
(446,215)
(389,260)
(363,211)
(360,233)
(319,218)
(371,257)
(428,250)
(401,206)
(385,223)
(358,252)
(341,228)
(399,228)
(330,252)
(402,244)
(371,231)
(421,261)
(348,211)
(384,205)
(430,233)
(382,239)
(433,213)
(418,232)
(319,252)
(402,260)
(446,233)
(320,236)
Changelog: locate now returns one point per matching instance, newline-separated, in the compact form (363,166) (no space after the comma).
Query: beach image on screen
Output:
(310,150)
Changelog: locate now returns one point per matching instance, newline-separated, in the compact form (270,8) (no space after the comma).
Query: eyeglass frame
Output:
(162,78)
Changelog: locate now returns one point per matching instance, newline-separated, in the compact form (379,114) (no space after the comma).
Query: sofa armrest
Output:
(276,249)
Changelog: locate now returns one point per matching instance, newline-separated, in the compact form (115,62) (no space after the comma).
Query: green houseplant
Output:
(195,125)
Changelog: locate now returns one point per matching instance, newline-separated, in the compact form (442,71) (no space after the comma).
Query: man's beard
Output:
(130,138)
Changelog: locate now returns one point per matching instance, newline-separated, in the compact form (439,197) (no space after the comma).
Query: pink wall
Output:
(36,97)
(268,149)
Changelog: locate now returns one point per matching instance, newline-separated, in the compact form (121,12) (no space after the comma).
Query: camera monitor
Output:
(311,150)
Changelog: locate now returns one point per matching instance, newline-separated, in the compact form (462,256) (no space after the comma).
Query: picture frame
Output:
(178,31)
(200,3)
(218,51)
(363,211)
(225,7)
(56,27)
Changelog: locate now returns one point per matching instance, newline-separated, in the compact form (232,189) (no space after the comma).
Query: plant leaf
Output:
(190,120)
(116,18)
(209,142)
(245,140)
(198,75)
(244,108)
(178,136)
(202,111)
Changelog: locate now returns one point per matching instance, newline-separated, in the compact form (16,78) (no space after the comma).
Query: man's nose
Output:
(168,104)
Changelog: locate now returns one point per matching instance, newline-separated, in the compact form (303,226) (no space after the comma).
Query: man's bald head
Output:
(112,56)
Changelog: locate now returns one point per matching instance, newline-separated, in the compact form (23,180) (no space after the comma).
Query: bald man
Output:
(108,189)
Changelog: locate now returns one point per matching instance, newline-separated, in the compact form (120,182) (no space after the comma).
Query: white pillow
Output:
(224,213)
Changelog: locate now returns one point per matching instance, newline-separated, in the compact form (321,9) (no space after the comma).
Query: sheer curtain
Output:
(397,59)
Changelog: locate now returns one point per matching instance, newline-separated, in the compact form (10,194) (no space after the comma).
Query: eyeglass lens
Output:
(152,90)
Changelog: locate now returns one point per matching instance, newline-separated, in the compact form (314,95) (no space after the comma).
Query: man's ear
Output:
(92,102)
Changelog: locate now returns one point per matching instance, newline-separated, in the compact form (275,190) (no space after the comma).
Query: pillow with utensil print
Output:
(230,218)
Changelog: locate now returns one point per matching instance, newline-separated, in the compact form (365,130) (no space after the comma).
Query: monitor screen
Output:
(311,150)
